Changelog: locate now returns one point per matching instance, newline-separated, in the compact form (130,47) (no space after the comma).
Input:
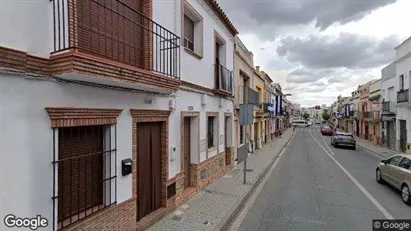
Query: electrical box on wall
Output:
(204,99)
(126,167)
(172,104)
(173,150)
(220,102)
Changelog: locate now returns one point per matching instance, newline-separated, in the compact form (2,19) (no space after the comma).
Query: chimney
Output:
(257,68)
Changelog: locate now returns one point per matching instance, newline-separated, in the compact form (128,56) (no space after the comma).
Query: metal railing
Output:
(351,113)
(116,31)
(388,106)
(223,78)
(368,114)
(403,96)
(84,172)
(244,94)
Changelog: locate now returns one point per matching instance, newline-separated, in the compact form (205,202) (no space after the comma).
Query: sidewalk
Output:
(380,151)
(217,204)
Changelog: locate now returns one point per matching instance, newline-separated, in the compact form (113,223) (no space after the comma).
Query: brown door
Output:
(148,168)
(255,134)
(187,147)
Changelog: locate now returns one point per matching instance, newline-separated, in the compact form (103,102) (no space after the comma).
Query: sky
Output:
(320,49)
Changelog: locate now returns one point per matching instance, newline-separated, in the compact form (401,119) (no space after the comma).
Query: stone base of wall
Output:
(408,151)
(229,156)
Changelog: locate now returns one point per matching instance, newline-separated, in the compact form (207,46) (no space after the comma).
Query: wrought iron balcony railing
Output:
(246,95)
(403,96)
(223,78)
(388,107)
(116,31)
(368,114)
(351,113)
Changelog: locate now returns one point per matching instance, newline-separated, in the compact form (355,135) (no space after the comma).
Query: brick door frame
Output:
(149,115)
(190,114)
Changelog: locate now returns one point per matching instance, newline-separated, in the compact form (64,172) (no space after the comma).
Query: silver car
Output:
(396,171)
(343,139)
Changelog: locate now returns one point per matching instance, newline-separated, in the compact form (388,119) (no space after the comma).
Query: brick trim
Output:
(139,116)
(185,114)
(19,60)
(69,117)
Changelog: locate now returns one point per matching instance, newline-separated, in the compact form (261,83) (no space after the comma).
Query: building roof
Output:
(222,16)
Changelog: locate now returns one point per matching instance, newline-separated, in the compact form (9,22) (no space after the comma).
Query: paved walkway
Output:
(381,151)
(218,203)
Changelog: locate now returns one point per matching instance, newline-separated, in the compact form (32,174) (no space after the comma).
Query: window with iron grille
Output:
(84,172)
(211,136)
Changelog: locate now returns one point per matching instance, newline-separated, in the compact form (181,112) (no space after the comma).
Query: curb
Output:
(241,205)
(375,153)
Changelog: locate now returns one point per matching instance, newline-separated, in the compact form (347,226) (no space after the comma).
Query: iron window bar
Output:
(80,164)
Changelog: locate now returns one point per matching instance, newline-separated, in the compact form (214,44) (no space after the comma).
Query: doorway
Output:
(255,136)
(187,148)
(149,194)
(403,135)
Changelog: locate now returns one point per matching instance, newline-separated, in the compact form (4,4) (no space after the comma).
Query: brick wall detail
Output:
(69,117)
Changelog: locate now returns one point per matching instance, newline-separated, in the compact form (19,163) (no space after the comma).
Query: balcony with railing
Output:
(388,107)
(246,95)
(223,80)
(368,115)
(114,40)
(403,96)
(351,113)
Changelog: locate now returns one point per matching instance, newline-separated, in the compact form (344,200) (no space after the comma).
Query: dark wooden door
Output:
(255,134)
(187,148)
(148,168)
(403,135)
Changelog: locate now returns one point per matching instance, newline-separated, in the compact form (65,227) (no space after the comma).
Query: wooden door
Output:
(187,148)
(148,168)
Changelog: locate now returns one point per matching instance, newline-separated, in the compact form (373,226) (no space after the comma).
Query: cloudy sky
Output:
(319,49)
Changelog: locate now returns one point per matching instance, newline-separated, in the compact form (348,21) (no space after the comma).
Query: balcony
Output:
(115,44)
(351,113)
(246,95)
(403,96)
(263,109)
(223,80)
(388,107)
(367,115)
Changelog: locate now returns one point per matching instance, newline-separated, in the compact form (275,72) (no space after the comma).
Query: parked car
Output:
(396,171)
(343,139)
(326,130)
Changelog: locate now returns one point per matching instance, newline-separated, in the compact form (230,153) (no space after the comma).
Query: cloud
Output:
(346,50)
(267,16)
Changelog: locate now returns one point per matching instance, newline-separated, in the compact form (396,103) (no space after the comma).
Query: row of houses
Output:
(115,112)
(380,110)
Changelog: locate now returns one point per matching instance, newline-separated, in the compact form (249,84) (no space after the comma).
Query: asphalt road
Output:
(308,190)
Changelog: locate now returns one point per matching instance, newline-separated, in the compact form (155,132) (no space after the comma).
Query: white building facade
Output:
(388,108)
(96,109)
(403,79)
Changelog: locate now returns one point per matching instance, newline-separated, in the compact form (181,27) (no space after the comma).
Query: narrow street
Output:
(309,191)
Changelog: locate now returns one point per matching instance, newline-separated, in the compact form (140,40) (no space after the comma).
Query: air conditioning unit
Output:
(203,100)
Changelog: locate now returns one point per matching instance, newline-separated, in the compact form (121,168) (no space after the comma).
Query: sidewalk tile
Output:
(211,207)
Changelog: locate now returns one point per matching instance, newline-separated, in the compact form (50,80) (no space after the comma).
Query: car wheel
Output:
(405,194)
(378,176)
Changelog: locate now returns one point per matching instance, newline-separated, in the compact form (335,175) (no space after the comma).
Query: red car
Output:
(327,131)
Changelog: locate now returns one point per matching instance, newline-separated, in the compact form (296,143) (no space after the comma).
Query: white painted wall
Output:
(386,84)
(403,113)
(403,67)
(27,26)
(404,48)
(26,138)
(186,99)
(201,72)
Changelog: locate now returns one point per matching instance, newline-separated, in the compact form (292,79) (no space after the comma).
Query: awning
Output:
(375,97)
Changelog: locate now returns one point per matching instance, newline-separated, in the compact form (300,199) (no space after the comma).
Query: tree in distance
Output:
(326,115)
(306,116)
